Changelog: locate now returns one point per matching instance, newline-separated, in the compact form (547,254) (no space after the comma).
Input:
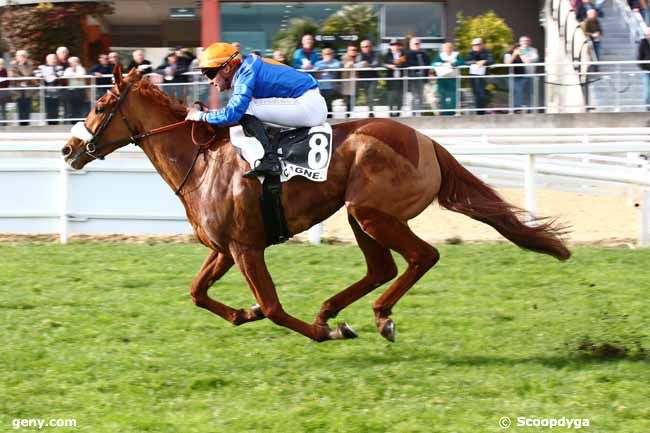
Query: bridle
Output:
(93,146)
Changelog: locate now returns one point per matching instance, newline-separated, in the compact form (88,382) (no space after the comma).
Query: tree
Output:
(496,34)
(41,28)
(289,39)
(358,20)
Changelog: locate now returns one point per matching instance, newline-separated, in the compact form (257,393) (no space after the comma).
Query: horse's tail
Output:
(461,191)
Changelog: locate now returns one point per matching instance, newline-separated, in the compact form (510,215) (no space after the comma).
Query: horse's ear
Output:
(134,74)
(117,76)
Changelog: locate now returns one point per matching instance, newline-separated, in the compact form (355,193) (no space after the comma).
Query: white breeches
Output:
(310,109)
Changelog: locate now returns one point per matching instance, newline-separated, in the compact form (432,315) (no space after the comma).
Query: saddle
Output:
(304,151)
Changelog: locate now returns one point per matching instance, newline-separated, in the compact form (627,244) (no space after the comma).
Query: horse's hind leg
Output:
(214,267)
(381,269)
(420,256)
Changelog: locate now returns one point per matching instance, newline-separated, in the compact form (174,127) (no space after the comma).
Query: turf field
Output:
(106,334)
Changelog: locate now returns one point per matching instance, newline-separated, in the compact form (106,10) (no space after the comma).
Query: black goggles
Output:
(213,72)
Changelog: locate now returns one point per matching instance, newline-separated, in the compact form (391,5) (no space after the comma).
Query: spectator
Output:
(23,67)
(349,86)
(524,53)
(114,59)
(592,29)
(446,63)
(368,79)
(185,58)
(644,10)
(49,74)
(416,57)
(76,93)
(99,71)
(5,97)
(635,5)
(172,71)
(644,55)
(329,89)
(62,55)
(479,58)
(395,60)
(278,56)
(639,6)
(202,89)
(583,7)
(305,57)
(140,63)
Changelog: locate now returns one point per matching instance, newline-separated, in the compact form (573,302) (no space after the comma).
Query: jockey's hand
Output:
(194,115)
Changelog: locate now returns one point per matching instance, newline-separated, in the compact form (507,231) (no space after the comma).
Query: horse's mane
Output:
(149,90)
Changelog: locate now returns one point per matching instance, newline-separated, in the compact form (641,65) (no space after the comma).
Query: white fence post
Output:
(645,219)
(63,193)
(529,185)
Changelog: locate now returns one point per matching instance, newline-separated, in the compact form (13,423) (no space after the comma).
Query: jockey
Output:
(263,91)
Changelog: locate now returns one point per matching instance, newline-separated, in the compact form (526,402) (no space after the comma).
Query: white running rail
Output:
(124,194)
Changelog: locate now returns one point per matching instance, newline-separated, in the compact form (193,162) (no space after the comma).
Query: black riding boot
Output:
(270,163)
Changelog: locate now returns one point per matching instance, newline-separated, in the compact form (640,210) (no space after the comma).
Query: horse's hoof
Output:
(388,330)
(257,312)
(342,332)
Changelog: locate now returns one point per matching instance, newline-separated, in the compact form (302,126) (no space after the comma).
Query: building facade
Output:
(168,23)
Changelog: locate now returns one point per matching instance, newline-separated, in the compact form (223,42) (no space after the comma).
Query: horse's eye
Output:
(99,110)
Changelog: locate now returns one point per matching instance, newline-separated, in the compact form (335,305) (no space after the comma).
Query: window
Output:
(424,20)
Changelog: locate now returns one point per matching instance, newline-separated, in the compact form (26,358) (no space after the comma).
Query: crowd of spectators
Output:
(66,84)
(354,75)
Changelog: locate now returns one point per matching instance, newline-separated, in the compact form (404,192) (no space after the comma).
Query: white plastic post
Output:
(63,211)
(315,234)
(529,185)
(645,219)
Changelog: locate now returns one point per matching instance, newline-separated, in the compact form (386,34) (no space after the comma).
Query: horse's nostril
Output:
(67,150)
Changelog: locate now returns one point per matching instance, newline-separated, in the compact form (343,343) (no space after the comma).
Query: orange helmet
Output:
(217,55)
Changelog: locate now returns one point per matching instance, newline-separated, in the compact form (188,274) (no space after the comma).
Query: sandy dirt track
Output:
(605,220)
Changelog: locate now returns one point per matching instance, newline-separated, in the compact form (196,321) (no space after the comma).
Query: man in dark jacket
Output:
(172,71)
(140,63)
(479,59)
(395,61)
(644,55)
(416,57)
(102,68)
(368,79)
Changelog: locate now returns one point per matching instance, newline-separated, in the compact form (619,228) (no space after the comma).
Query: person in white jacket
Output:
(76,92)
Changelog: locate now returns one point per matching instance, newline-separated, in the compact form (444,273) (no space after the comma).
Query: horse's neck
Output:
(172,153)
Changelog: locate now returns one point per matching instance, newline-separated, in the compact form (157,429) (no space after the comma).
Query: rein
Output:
(93,145)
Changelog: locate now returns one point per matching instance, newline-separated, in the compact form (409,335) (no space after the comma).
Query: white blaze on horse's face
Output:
(80,131)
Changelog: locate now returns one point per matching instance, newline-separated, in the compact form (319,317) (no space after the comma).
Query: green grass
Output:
(107,334)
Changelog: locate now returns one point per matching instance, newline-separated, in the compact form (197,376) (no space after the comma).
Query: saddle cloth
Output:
(303,152)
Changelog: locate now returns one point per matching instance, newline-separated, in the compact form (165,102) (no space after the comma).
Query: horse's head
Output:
(107,127)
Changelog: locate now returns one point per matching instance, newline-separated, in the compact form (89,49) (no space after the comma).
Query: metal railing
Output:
(60,200)
(380,96)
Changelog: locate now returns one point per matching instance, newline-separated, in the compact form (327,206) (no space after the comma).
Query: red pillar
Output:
(210,22)
(211,32)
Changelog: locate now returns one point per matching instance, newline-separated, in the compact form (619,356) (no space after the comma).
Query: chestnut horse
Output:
(385,173)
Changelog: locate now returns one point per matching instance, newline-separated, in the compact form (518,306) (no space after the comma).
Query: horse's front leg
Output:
(253,268)
(213,268)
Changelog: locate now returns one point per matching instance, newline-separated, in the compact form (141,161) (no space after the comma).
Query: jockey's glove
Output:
(195,115)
